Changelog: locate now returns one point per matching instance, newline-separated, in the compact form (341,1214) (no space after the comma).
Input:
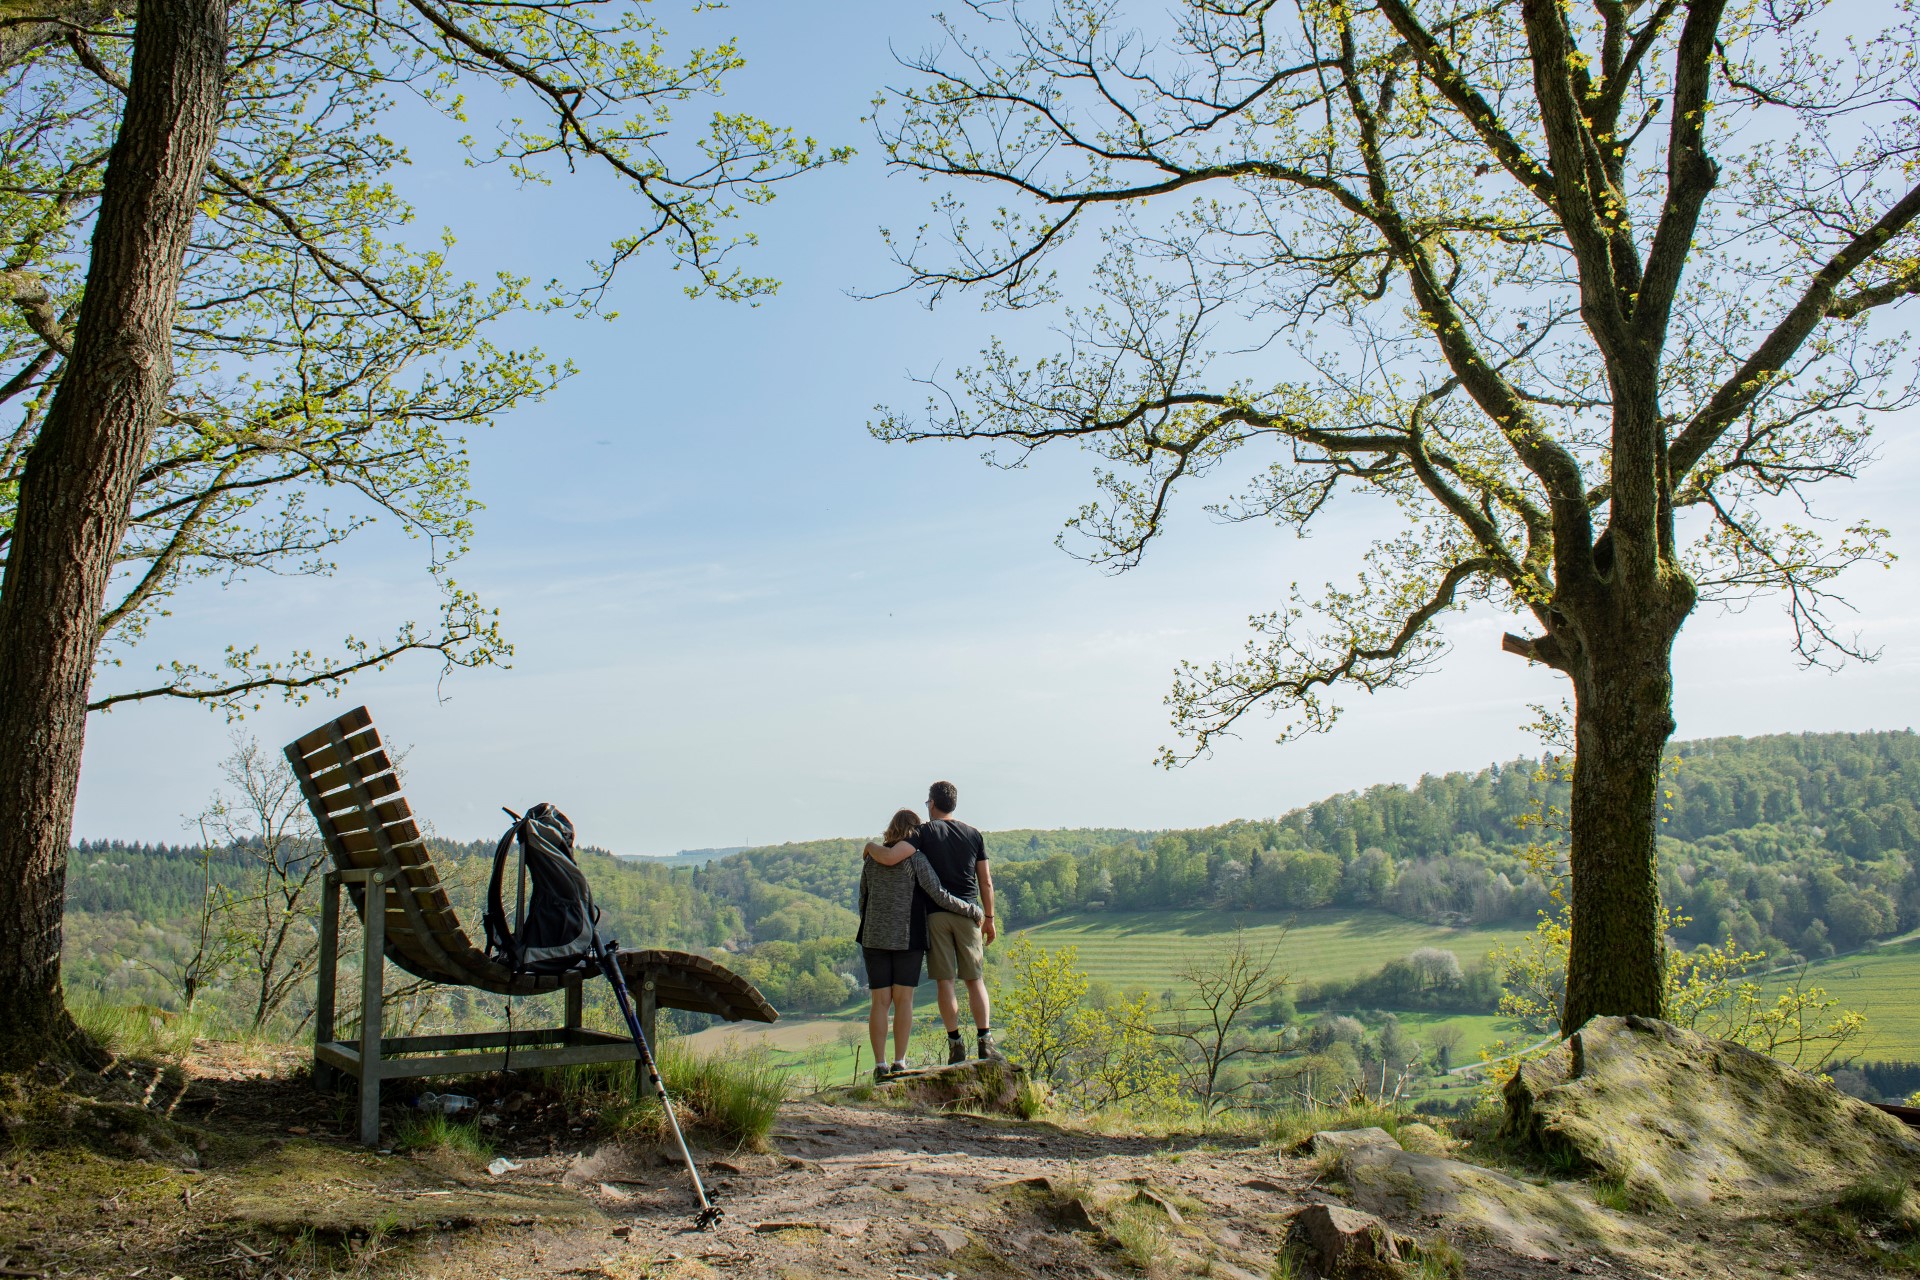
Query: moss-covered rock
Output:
(993,1087)
(1680,1118)
(1423,1138)
(1533,1221)
(1331,1142)
(41,1115)
(1344,1245)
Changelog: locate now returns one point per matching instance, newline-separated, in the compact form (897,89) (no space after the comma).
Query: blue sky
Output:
(741,620)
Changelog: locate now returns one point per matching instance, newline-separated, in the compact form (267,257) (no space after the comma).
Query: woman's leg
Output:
(877,1024)
(902,1021)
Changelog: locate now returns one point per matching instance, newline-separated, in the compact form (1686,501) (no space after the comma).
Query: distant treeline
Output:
(1795,844)
(1792,844)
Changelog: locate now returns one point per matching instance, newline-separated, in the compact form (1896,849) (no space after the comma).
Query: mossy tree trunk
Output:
(1623,718)
(76,487)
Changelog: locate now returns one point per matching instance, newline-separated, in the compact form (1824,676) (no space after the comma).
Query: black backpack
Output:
(551,930)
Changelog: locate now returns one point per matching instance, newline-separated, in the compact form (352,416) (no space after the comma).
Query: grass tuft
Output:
(737,1097)
(1438,1259)
(138,1030)
(1612,1193)
(734,1098)
(1295,1124)
(1141,1234)
(1874,1199)
(1288,1264)
(432,1131)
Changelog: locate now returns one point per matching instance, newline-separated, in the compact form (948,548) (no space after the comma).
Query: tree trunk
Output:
(1623,717)
(77,485)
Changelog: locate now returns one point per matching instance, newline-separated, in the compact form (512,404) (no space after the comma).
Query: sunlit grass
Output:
(433,1131)
(734,1097)
(138,1030)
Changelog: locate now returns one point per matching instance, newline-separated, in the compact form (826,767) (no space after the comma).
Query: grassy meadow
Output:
(1884,984)
(1143,948)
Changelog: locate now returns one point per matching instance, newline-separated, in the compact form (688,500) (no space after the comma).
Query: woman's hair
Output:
(901,827)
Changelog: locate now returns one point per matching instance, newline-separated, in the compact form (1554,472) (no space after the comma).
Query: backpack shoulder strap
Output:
(499,928)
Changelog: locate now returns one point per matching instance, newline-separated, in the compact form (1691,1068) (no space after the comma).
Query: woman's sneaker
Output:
(899,1068)
(882,1072)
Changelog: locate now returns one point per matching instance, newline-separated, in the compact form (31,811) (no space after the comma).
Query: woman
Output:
(893,935)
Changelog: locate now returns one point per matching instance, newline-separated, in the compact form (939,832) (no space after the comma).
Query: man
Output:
(956,946)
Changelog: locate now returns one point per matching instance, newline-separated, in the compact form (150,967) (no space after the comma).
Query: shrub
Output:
(1030,1101)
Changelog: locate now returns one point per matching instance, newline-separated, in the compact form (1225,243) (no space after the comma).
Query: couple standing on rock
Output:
(926,895)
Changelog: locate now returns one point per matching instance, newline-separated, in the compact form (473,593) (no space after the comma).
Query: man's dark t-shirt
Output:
(952,847)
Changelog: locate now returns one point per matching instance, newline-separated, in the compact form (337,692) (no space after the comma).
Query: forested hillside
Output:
(1793,844)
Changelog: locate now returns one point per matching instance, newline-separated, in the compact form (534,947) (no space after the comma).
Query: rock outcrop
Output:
(1336,1141)
(1344,1245)
(992,1088)
(1532,1221)
(1682,1119)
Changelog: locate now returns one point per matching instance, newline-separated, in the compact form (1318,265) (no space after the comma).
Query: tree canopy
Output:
(329,363)
(1584,292)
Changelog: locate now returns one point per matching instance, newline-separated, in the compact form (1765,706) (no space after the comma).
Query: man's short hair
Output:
(943,796)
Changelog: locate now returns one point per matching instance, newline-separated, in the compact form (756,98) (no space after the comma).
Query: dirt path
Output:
(867,1193)
(280,1194)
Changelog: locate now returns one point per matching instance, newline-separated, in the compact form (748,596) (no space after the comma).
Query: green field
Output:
(1478,1029)
(1143,948)
(1884,984)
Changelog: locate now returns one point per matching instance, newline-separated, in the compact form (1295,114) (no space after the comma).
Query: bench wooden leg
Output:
(326,1078)
(372,992)
(649,1008)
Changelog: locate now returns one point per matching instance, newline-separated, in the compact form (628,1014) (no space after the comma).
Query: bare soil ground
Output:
(269,1186)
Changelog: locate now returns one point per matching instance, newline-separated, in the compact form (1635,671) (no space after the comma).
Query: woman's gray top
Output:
(886,902)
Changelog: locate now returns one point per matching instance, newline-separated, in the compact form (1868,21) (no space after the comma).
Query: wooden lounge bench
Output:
(350,786)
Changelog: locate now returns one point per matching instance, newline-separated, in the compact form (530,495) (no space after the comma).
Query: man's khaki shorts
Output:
(953,947)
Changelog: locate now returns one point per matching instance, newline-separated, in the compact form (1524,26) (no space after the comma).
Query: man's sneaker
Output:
(987,1052)
(956,1051)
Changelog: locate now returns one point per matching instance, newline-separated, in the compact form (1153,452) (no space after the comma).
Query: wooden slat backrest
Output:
(355,798)
(354,794)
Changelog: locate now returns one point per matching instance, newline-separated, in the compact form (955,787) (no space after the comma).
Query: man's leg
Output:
(902,1021)
(977,1001)
(942,963)
(949,1004)
(970,959)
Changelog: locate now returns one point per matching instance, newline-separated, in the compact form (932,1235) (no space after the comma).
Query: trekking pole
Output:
(710,1214)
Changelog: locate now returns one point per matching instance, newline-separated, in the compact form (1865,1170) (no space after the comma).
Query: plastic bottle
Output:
(445,1103)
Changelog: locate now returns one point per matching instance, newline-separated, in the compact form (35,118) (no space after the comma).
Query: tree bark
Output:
(1623,716)
(77,485)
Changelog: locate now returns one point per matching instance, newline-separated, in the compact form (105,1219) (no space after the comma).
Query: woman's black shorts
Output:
(892,968)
